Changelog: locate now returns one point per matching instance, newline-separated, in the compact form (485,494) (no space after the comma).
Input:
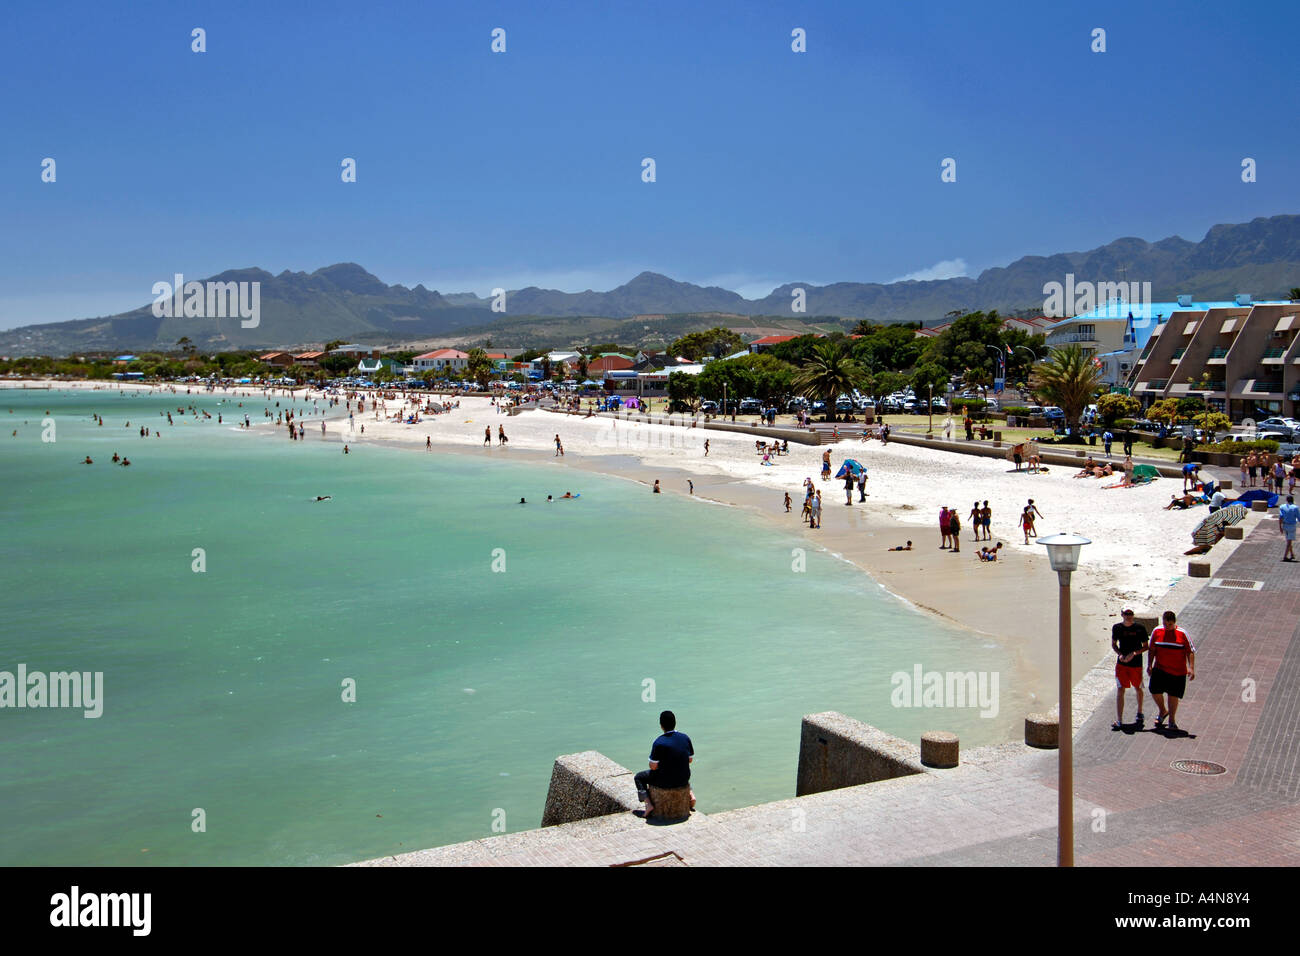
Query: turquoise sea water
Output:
(223,688)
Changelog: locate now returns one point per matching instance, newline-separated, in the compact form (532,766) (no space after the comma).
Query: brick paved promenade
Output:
(999,806)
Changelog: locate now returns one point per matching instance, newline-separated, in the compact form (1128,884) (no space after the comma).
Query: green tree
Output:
(830,372)
(683,392)
(332,344)
(479,366)
(1164,412)
(887,383)
(583,365)
(929,379)
(1213,422)
(758,376)
(1294,294)
(713,343)
(1069,379)
(1112,407)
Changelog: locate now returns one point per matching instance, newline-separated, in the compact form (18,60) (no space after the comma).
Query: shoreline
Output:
(1012,602)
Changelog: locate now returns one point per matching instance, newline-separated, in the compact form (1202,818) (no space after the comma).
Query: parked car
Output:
(1053,414)
(751,406)
(709,408)
(1278,424)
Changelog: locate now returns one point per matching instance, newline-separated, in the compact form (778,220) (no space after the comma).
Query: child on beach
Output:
(787,502)
(815,519)
(901,548)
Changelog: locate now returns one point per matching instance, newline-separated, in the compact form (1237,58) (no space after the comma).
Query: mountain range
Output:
(345,301)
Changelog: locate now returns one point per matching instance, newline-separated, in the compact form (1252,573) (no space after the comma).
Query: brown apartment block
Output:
(1243,360)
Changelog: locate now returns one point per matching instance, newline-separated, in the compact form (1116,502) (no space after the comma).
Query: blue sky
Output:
(477,169)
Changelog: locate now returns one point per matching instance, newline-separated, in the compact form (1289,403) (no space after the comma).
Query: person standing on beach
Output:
(815,520)
(1170,665)
(862,485)
(943,528)
(826,465)
(1288,516)
(1033,511)
(848,486)
(1128,640)
(986,518)
(1027,522)
(975,522)
(691,486)
(787,502)
(559,448)
(954,530)
(706,448)
(501,435)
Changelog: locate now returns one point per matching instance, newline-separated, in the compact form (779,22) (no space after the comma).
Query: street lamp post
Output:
(929,408)
(1063,553)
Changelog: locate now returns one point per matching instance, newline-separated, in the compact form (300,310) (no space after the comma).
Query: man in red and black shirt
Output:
(1172,663)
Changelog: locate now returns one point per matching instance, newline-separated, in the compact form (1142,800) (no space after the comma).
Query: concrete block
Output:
(837,751)
(1226,484)
(1234,532)
(1259,504)
(585,785)
(1198,569)
(1042,731)
(940,749)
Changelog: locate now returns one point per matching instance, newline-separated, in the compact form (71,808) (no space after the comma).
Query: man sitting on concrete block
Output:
(671,756)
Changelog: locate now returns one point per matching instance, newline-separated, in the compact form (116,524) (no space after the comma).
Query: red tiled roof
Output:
(773,339)
(443,354)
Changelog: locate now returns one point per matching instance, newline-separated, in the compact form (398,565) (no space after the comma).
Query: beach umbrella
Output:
(1211,529)
(1145,473)
(851,466)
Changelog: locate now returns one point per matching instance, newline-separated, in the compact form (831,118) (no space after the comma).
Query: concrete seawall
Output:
(836,751)
(586,785)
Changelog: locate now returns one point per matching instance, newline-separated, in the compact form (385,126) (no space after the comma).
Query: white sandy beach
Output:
(1135,558)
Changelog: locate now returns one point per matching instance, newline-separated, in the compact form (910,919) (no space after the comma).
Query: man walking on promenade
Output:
(1287,518)
(1171,664)
(1128,640)
(671,756)
(1106,440)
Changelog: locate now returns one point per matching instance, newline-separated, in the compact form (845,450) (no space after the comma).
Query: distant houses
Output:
(441,360)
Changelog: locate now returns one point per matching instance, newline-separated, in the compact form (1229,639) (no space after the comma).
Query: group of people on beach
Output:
(1273,469)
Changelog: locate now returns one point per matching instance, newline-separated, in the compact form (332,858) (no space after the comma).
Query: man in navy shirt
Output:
(670,762)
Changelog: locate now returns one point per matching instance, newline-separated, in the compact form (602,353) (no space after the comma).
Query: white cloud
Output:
(948,269)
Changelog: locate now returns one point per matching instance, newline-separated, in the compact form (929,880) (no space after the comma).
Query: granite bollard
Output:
(940,749)
(1042,731)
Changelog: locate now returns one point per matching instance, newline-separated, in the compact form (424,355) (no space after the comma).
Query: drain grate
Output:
(1236,583)
(1199,768)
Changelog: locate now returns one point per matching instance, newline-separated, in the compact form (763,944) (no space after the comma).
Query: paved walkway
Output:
(999,806)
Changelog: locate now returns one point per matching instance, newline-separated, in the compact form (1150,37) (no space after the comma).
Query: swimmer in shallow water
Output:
(324,497)
(87,461)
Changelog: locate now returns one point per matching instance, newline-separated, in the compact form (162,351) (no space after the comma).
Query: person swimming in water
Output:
(87,461)
(324,497)
(522,501)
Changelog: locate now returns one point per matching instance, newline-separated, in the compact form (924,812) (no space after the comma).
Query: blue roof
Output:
(1142,316)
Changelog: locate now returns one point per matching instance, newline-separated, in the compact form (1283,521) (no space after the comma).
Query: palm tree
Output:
(1069,379)
(826,374)
(1294,294)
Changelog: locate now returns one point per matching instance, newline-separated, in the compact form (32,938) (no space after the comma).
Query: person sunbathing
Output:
(901,548)
(1180,502)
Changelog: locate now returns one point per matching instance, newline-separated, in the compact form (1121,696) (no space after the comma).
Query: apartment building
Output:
(1241,357)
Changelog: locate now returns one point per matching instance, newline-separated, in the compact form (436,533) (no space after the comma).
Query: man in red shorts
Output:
(1171,664)
(1128,639)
